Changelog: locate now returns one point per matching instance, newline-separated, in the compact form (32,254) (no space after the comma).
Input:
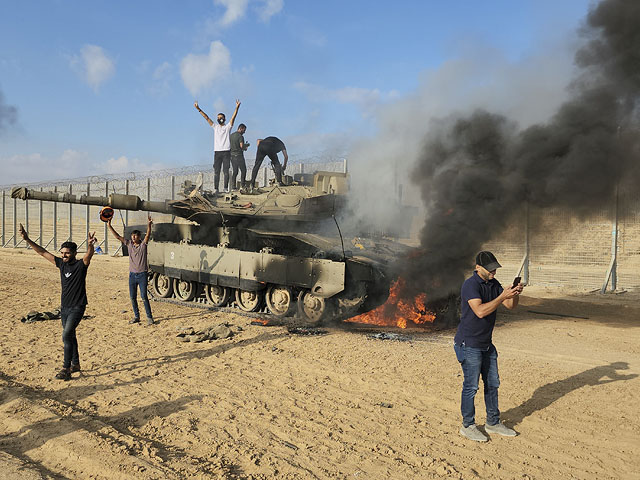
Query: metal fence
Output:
(550,247)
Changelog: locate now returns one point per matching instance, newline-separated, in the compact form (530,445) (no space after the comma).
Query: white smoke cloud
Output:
(123,164)
(200,72)
(93,65)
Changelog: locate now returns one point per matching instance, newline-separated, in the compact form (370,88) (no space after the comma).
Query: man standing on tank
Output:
(238,147)
(73,301)
(270,147)
(481,295)
(138,268)
(221,145)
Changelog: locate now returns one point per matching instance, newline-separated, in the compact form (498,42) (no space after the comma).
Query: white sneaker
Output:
(500,429)
(472,433)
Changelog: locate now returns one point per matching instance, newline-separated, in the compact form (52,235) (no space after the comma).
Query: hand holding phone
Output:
(516,282)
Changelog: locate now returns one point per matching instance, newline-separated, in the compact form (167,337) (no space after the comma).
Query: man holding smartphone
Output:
(481,295)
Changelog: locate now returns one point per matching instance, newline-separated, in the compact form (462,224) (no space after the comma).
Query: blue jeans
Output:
(141,280)
(476,362)
(71,317)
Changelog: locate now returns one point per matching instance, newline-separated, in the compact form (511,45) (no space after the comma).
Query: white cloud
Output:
(202,71)
(269,8)
(161,79)
(365,98)
(235,10)
(123,164)
(36,168)
(93,65)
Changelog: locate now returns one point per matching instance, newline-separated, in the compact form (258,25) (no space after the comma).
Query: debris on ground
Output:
(306,331)
(385,404)
(216,332)
(34,316)
(389,336)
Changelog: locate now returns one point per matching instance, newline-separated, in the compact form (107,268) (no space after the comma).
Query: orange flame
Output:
(398,311)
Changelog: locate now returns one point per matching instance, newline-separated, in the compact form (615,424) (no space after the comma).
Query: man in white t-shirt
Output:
(221,145)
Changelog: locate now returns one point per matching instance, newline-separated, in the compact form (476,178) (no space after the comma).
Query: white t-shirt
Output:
(221,137)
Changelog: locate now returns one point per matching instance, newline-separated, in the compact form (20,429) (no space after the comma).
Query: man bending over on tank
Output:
(138,267)
(73,275)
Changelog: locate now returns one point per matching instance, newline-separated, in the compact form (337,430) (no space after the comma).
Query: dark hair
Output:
(221,114)
(136,232)
(241,126)
(70,245)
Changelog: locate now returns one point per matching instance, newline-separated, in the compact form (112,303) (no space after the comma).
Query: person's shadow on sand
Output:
(549,393)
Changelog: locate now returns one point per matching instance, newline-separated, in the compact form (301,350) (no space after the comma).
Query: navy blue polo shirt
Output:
(475,331)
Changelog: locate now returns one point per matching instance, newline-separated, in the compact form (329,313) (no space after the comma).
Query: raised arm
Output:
(206,117)
(235,113)
(149,223)
(36,248)
(91,239)
(115,234)
(508,297)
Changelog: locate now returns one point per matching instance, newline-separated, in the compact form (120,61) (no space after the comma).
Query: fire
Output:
(397,310)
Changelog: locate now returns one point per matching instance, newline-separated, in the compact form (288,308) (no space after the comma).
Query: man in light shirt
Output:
(221,145)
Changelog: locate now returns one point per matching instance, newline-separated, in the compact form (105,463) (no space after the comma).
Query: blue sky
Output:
(104,87)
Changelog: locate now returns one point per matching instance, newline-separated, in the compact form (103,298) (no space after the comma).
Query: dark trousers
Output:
(139,280)
(274,161)
(71,317)
(238,163)
(221,160)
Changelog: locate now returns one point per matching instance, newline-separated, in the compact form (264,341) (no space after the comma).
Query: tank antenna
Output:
(344,257)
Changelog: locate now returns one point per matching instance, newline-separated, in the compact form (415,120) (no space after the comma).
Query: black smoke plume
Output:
(8,115)
(475,173)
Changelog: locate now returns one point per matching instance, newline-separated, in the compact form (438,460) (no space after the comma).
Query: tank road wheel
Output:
(313,308)
(216,295)
(248,301)
(185,291)
(279,300)
(162,286)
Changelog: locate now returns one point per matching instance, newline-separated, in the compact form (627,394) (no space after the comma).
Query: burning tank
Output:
(279,247)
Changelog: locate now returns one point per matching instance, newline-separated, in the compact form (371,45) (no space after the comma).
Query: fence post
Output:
(173,194)
(55,222)
(70,216)
(86,233)
(41,211)
(126,212)
(148,189)
(612,274)
(524,265)
(106,231)
(265,177)
(344,166)
(26,219)
(15,221)
(4,204)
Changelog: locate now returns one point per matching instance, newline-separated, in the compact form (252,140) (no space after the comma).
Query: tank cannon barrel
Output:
(114,200)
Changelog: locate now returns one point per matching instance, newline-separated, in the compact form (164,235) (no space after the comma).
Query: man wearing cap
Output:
(73,301)
(481,295)
(138,267)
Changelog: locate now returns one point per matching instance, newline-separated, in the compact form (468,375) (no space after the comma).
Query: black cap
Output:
(487,260)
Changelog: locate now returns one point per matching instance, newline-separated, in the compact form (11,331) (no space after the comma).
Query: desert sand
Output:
(269,404)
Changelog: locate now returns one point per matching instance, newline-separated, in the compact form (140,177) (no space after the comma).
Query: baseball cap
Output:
(487,260)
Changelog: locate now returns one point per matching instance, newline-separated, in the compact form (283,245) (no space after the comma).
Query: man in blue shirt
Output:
(481,296)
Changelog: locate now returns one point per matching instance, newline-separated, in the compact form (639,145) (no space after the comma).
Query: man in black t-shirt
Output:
(73,275)
(238,147)
(270,147)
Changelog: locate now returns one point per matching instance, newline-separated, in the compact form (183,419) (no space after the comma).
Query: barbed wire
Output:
(320,157)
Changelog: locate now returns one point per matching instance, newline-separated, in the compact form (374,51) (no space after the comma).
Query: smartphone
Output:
(516,282)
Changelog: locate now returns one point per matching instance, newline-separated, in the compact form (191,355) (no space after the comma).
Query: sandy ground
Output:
(267,404)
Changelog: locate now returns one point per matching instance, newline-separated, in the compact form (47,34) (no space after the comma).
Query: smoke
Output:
(474,172)
(8,115)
